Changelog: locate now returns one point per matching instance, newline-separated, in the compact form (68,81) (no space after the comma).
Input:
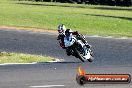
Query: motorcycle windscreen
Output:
(69,41)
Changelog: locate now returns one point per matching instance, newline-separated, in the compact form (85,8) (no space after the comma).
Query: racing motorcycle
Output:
(77,48)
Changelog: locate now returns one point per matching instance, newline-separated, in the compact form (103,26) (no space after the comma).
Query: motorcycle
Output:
(77,48)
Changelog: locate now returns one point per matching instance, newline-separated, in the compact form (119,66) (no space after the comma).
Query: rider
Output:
(63,31)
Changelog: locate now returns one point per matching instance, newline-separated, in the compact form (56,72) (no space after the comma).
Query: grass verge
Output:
(87,19)
(22,58)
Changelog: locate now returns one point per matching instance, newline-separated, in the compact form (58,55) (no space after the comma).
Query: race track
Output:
(111,56)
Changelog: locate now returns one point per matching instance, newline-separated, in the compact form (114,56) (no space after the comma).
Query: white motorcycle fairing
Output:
(86,50)
(68,41)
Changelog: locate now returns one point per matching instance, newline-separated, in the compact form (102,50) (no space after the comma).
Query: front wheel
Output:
(91,58)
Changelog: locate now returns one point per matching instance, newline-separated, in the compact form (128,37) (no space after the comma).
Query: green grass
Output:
(22,58)
(88,19)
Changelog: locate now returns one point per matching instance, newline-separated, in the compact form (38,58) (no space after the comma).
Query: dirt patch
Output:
(30,29)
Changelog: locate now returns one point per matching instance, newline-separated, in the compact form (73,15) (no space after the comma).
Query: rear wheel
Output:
(79,55)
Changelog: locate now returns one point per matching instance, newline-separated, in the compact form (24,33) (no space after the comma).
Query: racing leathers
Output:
(79,36)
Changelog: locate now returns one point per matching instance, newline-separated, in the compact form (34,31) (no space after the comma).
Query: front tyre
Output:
(91,58)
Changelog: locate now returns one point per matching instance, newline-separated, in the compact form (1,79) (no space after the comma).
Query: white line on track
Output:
(109,37)
(17,63)
(4,64)
(47,86)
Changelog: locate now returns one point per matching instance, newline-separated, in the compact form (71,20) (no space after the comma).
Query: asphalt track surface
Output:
(111,56)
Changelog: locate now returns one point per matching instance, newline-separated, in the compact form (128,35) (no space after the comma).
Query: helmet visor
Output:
(60,31)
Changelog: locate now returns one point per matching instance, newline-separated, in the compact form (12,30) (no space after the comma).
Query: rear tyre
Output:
(68,51)
(79,55)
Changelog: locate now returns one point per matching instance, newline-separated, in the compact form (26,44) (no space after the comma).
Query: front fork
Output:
(91,52)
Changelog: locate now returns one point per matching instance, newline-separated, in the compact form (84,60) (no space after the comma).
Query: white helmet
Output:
(61,29)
